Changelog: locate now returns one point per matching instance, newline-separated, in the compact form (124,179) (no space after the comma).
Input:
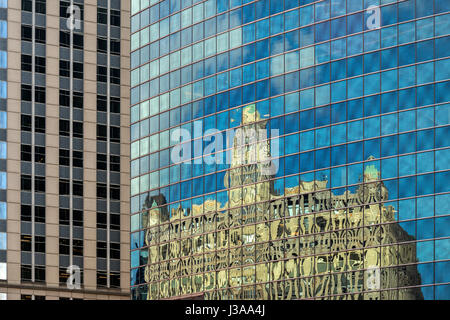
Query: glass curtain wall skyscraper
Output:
(349,100)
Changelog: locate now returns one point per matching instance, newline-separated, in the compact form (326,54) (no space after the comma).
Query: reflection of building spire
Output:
(250,157)
(250,114)
(250,146)
(153,212)
(371,172)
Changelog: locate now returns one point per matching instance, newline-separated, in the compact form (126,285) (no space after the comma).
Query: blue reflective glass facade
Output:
(358,92)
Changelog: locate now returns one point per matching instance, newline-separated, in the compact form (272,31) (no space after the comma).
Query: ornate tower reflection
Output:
(306,243)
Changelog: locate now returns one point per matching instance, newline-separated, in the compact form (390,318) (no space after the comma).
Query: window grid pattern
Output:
(33,147)
(3,144)
(71,131)
(363,119)
(108,146)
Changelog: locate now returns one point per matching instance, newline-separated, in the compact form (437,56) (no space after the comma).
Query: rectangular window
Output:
(78,41)
(114,134)
(102,74)
(114,105)
(77,188)
(39,275)
(78,99)
(25,93)
(101,220)
(40,64)
(27,33)
(25,212)
(39,154)
(77,217)
(40,6)
(25,152)
(101,190)
(64,216)
(64,246)
(64,186)
(39,94)
(102,103)
(101,132)
(101,249)
(114,75)
(114,280)
(39,244)
(39,184)
(114,192)
(114,250)
(77,159)
(115,47)
(27,5)
(63,6)
(115,163)
(25,123)
(101,161)
(78,70)
(25,243)
(64,157)
(64,68)
(64,98)
(25,182)
(39,124)
(78,129)
(25,273)
(65,13)
(39,35)
(77,247)
(115,18)
(102,45)
(39,214)
(64,39)
(102,16)
(26,62)
(64,127)
(114,221)
(63,277)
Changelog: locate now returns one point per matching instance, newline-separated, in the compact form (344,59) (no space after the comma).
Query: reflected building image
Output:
(307,243)
(344,195)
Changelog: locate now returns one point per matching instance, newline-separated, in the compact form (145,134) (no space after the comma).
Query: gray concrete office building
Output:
(64,148)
